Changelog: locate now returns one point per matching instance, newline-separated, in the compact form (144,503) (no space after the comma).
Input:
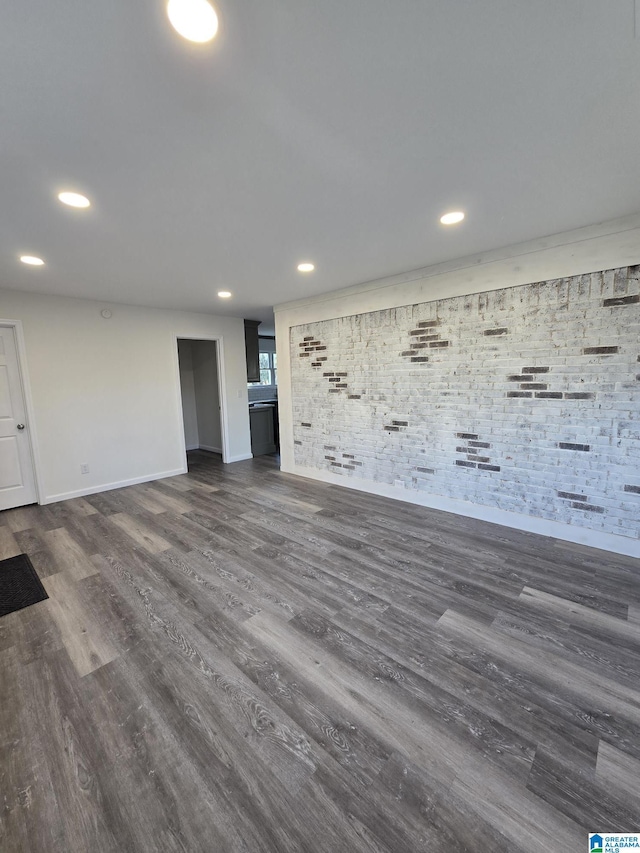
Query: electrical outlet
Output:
(84,469)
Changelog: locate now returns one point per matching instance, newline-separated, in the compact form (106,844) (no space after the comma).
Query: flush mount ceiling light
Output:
(306,267)
(224,294)
(452,218)
(195,20)
(74,199)
(32,260)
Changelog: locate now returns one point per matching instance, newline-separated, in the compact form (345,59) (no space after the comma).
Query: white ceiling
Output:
(334,131)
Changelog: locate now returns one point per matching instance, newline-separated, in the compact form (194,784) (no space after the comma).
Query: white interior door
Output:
(17,480)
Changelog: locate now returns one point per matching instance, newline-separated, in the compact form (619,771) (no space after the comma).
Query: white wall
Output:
(607,246)
(106,392)
(188,388)
(205,374)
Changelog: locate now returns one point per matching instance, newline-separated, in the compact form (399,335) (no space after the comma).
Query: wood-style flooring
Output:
(241,660)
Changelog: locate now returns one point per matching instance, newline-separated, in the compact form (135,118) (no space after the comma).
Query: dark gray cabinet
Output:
(252,347)
(263,438)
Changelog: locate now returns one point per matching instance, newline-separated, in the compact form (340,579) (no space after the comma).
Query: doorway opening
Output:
(199,365)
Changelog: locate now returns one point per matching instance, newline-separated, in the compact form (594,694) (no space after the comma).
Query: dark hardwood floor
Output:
(241,660)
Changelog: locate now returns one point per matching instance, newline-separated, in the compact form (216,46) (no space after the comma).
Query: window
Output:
(268,368)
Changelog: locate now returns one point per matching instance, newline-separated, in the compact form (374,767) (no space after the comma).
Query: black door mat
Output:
(19,585)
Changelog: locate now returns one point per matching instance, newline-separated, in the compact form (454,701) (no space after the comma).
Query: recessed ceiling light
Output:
(452,218)
(196,20)
(224,294)
(74,199)
(306,267)
(32,261)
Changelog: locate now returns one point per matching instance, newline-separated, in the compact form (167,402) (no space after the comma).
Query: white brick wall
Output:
(471,423)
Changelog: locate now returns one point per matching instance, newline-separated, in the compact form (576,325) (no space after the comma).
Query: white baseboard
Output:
(210,449)
(530,524)
(193,447)
(240,458)
(107,487)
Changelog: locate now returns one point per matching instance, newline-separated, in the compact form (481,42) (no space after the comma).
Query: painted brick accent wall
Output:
(526,399)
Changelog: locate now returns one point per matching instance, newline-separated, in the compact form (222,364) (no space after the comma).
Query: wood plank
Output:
(583,800)
(568,677)
(586,617)
(618,770)
(20,519)
(140,533)
(68,554)
(173,503)
(83,640)
(8,544)
(81,507)
(522,817)
(33,543)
